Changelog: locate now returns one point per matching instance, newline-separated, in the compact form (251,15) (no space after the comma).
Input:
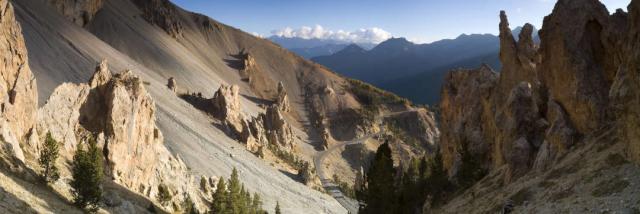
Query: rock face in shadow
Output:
(18,91)
(545,99)
(625,90)
(80,12)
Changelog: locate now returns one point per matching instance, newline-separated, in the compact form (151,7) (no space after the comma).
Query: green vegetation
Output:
(234,198)
(278,208)
(380,193)
(471,171)
(370,95)
(164,194)
(393,127)
(87,175)
(48,157)
(345,188)
(425,179)
(289,158)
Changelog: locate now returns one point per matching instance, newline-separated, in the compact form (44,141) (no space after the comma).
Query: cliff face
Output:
(18,91)
(545,100)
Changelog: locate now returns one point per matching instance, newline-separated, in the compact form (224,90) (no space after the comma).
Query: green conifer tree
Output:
(87,176)
(48,157)
(381,195)
(220,198)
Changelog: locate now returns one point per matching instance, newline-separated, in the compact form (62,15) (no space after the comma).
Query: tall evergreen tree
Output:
(381,194)
(234,201)
(438,181)
(219,204)
(470,169)
(48,157)
(87,175)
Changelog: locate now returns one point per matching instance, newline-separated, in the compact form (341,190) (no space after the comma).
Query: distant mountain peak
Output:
(353,48)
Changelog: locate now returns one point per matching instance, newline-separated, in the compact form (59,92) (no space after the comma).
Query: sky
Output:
(420,21)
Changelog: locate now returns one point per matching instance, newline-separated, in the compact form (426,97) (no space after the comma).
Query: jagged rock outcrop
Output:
(80,12)
(172,84)
(277,130)
(467,117)
(61,115)
(18,90)
(581,79)
(163,14)
(625,90)
(575,67)
(283,99)
(226,107)
(119,108)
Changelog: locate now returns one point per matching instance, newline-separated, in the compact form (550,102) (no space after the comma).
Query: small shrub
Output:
(164,194)
(615,159)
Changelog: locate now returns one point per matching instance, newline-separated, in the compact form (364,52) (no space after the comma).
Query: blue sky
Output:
(417,20)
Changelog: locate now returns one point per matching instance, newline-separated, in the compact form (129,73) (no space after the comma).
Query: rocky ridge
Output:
(547,99)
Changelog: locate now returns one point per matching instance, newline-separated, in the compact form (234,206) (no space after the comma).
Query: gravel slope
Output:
(60,51)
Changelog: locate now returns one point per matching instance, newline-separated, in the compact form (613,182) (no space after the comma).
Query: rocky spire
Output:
(282,100)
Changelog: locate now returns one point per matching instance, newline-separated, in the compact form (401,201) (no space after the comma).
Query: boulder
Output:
(172,84)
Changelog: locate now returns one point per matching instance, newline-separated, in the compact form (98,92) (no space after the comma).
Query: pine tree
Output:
(438,181)
(278,208)
(87,177)
(381,194)
(256,204)
(470,168)
(48,157)
(220,198)
(235,197)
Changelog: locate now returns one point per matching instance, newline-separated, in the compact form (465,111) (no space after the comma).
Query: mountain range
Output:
(309,48)
(415,71)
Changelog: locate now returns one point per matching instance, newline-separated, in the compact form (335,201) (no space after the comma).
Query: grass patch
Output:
(608,187)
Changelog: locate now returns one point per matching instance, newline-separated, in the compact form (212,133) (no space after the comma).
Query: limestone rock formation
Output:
(61,115)
(283,99)
(625,90)
(575,64)
(544,101)
(18,91)
(226,107)
(80,12)
(120,109)
(277,129)
(465,113)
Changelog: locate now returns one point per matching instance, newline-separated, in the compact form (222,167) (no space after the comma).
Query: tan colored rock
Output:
(80,12)
(467,116)
(226,107)
(18,91)
(61,115)
(574,60)
(277,129)
(283,99)
(172,84)
(625,90)
(163,14)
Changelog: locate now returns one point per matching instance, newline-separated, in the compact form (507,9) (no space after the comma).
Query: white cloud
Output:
(368,35)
